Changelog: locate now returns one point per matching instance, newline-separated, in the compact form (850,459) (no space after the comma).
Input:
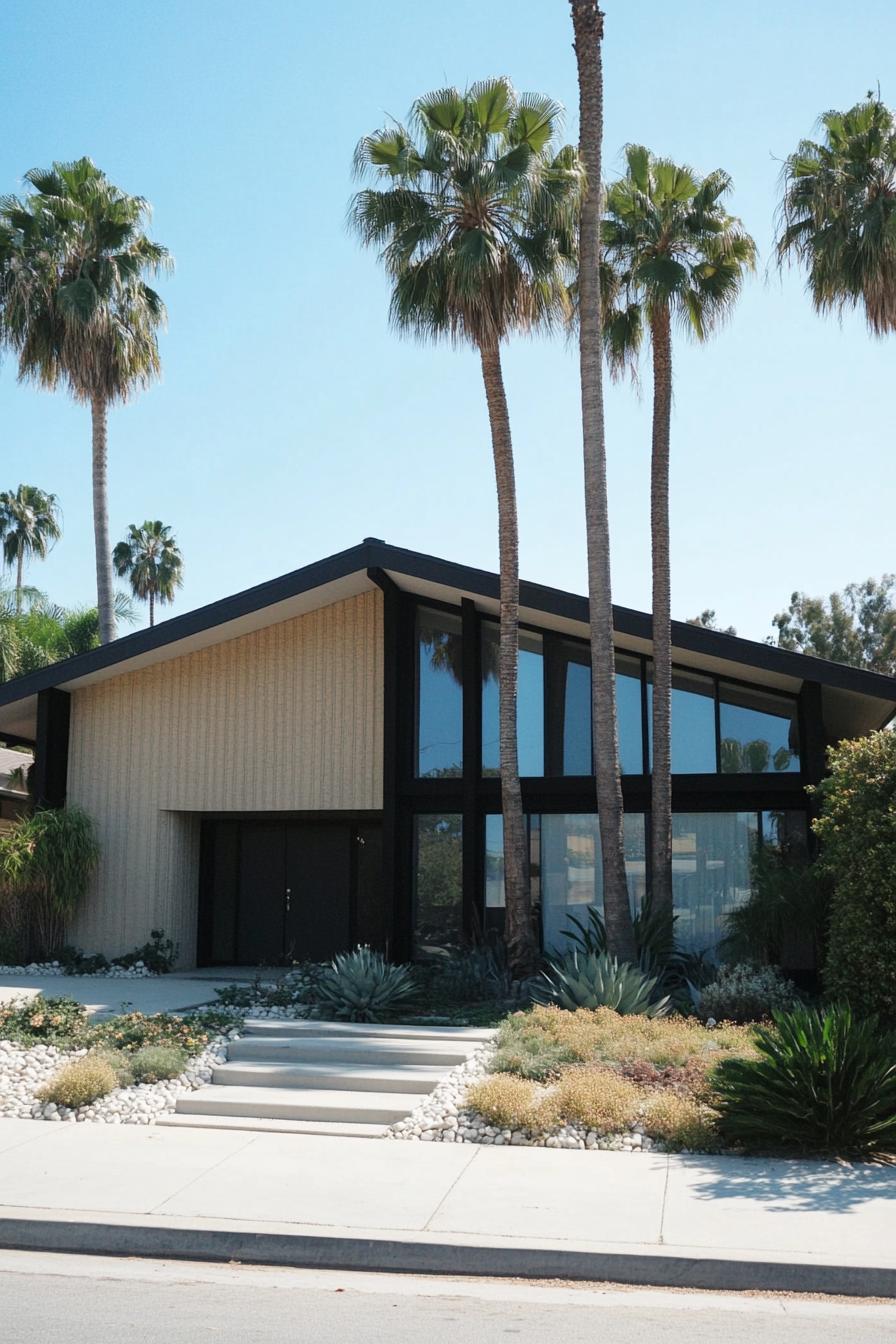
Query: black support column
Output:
(51,747)
(473,827)
(395,877)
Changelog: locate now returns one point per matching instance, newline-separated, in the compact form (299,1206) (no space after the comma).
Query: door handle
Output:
(288,896)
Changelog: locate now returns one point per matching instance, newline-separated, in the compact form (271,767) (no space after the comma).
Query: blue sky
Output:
(290,422)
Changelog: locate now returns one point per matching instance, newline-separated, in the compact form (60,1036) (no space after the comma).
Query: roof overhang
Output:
(855,701)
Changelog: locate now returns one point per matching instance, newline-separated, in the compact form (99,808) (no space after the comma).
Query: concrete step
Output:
(414,1079)
(262,1026)
(262,1125)
(343,1049)
(291,1103)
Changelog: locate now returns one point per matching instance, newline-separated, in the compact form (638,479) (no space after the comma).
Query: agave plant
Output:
(824,1082)
(678,973)
(596,980)
(361,986)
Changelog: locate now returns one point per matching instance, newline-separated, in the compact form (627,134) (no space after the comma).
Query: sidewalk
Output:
(110,994)
(349,1203)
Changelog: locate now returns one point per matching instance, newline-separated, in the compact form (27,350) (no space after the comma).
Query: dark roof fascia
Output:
(377,555)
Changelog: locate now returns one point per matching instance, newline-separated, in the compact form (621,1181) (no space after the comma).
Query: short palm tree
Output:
(150,557)
(474,217)
(588,28)
(78,311)
(838,213)
(672,253)
(29,524)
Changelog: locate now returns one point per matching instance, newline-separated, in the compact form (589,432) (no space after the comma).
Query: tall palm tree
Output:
(838,213)
(474,220)
(672,252)
(151,558)
(29,524)
(588,27)
(78,311)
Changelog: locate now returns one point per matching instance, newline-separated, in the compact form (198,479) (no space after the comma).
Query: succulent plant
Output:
(361,986)
(596,980)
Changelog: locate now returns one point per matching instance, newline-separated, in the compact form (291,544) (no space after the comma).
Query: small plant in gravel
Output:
(155,1063)
(680,1122)
(361,986)
(824,1082)
(133,1031)
(118,1060)
(579,979)
(747,993)
(509,1103)
(81,1082)
(595,1098)
(57,1020)
(158,954)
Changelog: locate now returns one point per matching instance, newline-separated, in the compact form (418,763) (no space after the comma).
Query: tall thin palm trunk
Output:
(519,933)
(101,521)
(661,777)
(152,608)
(20,575)
(588,28)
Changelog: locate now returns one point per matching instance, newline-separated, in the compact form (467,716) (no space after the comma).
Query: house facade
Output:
(313,763)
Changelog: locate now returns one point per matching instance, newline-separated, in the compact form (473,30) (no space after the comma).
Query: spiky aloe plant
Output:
(361,986)
(596,980)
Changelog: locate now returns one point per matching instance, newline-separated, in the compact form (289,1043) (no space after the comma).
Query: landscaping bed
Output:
(129,1069)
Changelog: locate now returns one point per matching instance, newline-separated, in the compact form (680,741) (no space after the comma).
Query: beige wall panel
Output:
(288,718)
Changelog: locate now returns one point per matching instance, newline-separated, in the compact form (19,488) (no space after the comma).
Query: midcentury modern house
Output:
(312,763)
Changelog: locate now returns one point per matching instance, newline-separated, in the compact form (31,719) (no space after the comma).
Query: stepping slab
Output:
(335,1128)
(415,1079)
(263,1026)
(369,1050)
(292,1103)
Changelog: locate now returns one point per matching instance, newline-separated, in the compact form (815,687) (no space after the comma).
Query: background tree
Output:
(838,213)
(588,27)
(150,557)
(29,524)
(77,309)
(857,626)
(707,621)
(673,253)
(43,632)
(475,223)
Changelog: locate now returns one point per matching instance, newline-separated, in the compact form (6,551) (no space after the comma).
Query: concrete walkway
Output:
(108,994)
(351,1203)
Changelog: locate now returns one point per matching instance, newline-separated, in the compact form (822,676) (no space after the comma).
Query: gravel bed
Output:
(442,1117)
(25,1069)
(114,972)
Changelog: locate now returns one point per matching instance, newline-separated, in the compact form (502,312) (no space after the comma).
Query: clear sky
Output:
(290,421)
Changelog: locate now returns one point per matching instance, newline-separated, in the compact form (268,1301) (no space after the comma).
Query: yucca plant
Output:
(361,986)
(596,980)
(824,1082)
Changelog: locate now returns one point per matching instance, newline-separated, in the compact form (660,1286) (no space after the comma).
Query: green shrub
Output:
(132,1031)
(824,1082)
(474,974)
(579,979)
(361,986)
(154,1063)
(79,1083)
(788,899)
(46,861)
(747,994)
(857,829)
(158,955)
(118,1061)
(39,1019)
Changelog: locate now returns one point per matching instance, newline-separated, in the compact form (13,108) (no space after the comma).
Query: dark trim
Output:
(392,690)
(376,555)
(14,740)
(471,657)
(54,709)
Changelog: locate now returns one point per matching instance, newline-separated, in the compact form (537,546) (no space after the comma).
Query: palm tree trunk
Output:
(588,28)
(152,608)
(519,934)
(101,521)
(20,574)
(661,777)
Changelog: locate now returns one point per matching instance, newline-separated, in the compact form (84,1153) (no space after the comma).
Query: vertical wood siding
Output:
(288,718)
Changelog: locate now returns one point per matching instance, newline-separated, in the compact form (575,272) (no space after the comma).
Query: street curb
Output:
(661,1269)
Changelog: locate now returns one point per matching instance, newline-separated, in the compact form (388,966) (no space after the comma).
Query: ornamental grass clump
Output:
(361,986)
(595,1098)
(506,1102)
(680,1122)
(824,1082)
(156,1063)
(83,1081)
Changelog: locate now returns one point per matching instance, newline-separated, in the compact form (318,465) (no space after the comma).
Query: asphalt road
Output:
(85,1300)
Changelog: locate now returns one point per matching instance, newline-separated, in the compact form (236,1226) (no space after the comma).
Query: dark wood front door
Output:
(280,891)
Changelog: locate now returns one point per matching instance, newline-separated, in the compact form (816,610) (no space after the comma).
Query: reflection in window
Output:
(494,868)
(438,883)
(758,731)
(439,694)
(711,869)
(572,880)
(787,830)
(693,723)
(577,712)
(529,704)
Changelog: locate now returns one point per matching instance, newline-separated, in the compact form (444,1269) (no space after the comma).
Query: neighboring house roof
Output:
(9,761)
(855,701)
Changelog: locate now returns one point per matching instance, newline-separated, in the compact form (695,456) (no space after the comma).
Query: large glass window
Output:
(758,731)
(711,872)
(438,883)
(571,876)
(439,694)
(494,868)
(577,712)
(529,704)
(693,723)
